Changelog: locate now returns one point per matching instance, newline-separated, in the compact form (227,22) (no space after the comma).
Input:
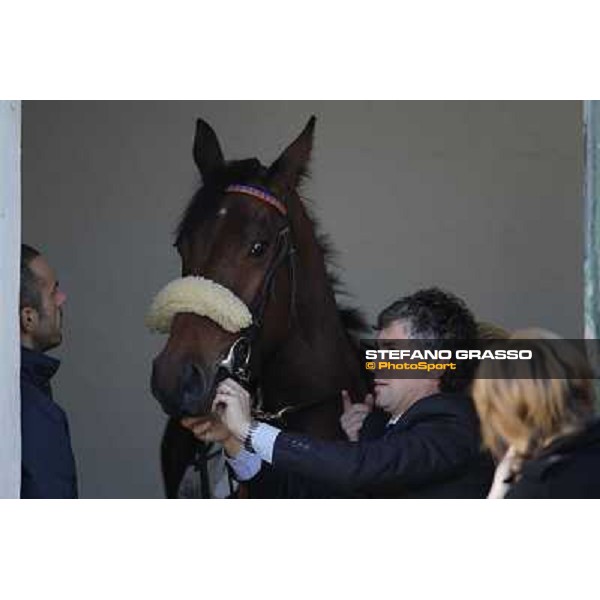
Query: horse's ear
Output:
(286,171)
(207,150)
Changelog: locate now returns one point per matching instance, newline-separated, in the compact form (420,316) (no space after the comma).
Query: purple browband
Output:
(259,194)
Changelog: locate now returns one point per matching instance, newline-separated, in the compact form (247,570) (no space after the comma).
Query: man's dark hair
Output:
(443,320)
(30,291)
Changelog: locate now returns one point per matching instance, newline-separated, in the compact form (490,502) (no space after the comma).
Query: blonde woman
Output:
(542,410)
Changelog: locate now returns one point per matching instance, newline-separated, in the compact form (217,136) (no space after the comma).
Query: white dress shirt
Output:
(246,464)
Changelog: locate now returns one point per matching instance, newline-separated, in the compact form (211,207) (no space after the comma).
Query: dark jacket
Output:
(433,451)
(47,462)
(567,468)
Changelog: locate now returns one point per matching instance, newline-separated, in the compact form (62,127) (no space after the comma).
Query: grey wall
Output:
(483,198)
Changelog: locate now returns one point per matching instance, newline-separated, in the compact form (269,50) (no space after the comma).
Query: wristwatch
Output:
(248,439)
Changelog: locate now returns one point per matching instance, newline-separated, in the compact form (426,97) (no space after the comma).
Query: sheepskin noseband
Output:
(201,296)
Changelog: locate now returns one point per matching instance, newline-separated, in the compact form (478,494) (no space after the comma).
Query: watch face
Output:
(248,439)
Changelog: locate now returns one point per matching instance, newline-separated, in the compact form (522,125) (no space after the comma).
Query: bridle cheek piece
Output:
(236,363)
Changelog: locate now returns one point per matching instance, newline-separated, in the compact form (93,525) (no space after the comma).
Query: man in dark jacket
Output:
(47,464)
(422,442)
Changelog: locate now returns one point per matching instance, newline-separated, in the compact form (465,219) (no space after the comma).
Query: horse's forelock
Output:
(205,199)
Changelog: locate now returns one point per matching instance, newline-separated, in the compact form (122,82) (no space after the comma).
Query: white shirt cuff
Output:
(245,464)
(263,441)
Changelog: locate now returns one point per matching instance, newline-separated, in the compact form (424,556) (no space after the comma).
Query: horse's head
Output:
(235,243)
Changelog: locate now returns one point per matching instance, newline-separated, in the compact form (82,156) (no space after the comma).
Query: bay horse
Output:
(248,230)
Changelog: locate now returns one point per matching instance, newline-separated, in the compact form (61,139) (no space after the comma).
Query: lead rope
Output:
(202,457)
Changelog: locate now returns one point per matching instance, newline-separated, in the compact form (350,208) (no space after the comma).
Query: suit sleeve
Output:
(374,425)
(271,482)
(432,449)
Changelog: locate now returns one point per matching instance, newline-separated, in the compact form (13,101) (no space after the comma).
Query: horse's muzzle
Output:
(190,396)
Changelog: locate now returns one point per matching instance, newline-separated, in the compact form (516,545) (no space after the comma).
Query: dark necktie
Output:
(388,429)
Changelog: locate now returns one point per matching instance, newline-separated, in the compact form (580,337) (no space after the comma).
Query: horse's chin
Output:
(194,407)
(179,405)
(188,407)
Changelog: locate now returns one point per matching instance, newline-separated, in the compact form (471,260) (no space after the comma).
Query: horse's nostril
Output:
(193,387)
(193,379)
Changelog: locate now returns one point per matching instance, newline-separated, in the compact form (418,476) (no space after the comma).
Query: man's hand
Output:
(207,429)
(354,415)
(212,429)
(232,403)
(504,470)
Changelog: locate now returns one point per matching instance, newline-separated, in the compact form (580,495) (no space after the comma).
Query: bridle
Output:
(236,363)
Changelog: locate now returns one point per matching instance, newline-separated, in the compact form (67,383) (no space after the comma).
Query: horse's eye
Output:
(258,248)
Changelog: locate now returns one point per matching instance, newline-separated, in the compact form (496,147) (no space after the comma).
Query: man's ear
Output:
(29,318)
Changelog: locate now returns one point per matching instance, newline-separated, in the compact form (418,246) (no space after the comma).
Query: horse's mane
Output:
(353,319)
(248,171)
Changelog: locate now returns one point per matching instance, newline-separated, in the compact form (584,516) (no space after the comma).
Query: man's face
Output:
(46,332)
(395,396)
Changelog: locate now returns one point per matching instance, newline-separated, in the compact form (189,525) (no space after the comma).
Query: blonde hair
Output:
(527,404)
(490,331)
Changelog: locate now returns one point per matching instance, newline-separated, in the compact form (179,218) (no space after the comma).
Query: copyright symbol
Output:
(370,366)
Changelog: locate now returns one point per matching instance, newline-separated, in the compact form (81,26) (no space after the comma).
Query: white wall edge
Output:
(10,246)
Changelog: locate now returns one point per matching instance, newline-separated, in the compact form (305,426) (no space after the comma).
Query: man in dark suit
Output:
(421,441)
(47,464)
